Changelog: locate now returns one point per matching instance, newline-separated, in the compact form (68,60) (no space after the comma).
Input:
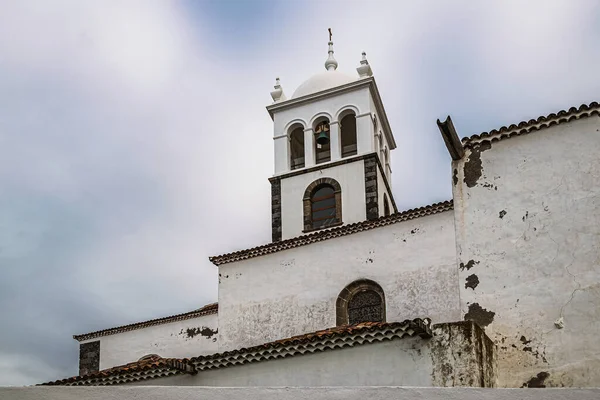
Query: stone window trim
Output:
(341,304)
(337,189)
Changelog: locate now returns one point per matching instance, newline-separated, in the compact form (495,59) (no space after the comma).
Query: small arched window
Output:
(322,207)
(360,301)
(348,133)
(297,148)
(386,206)
(322,204)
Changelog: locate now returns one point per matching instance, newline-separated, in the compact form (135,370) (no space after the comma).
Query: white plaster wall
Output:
(166,340)
(351,178)
(405,362)
(287,393)
(294,291)
(540,261)
(381,189)
(306,113)
(384,144)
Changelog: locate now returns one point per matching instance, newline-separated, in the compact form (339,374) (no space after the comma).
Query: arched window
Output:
(360,301)
(297,148)
(386,206)
(348,134)
(322,204)
(322,150)
(322,207)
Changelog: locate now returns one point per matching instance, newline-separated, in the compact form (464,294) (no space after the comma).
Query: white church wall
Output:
(405,362)
(187,338)
(382,189)
(330,106)
(351,178)
(528,228)
(294,291)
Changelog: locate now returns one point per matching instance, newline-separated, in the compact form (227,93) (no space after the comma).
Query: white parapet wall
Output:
(326,393)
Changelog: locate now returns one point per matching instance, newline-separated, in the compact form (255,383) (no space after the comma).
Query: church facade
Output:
(497,287)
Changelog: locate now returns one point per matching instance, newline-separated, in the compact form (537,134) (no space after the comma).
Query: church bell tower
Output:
(332,143)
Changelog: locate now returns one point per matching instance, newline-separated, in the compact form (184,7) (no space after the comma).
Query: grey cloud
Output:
(134,142)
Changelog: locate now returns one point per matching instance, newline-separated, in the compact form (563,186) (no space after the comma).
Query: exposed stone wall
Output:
(527,217)
(462,355)
(89,357)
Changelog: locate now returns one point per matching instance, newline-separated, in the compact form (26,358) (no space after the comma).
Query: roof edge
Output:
(453,144)
(331,233)
(209,309)
(524,127)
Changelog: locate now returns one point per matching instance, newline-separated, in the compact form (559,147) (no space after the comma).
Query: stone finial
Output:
(364,69)
(278,94)
(330,64)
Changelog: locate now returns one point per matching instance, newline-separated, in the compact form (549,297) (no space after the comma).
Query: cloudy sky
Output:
(134,142)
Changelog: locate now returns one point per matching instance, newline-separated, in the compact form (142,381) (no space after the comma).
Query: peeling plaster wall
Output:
(294,291)
(188,338)
(527,222)
(463,355)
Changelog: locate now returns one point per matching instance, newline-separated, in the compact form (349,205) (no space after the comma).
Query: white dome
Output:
(322,81)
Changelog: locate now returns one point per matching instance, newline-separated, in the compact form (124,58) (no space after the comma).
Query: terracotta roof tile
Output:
(323,340)
(154,367)
(332,233)
(524,127)
(208,309)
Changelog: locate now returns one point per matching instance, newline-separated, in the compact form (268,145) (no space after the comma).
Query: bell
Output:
(323,138)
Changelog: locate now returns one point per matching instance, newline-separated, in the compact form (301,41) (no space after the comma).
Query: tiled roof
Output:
(332,233)
(328,339)
(524,127)
(206,310)
(154,367)
(324,340)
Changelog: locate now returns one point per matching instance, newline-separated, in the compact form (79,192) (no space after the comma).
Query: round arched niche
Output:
(361,301)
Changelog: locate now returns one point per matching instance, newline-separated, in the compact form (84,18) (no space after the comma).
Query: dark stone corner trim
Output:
(275,209)
(371,192)
(89,357)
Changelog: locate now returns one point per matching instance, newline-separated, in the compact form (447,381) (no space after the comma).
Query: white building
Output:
(498,287)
